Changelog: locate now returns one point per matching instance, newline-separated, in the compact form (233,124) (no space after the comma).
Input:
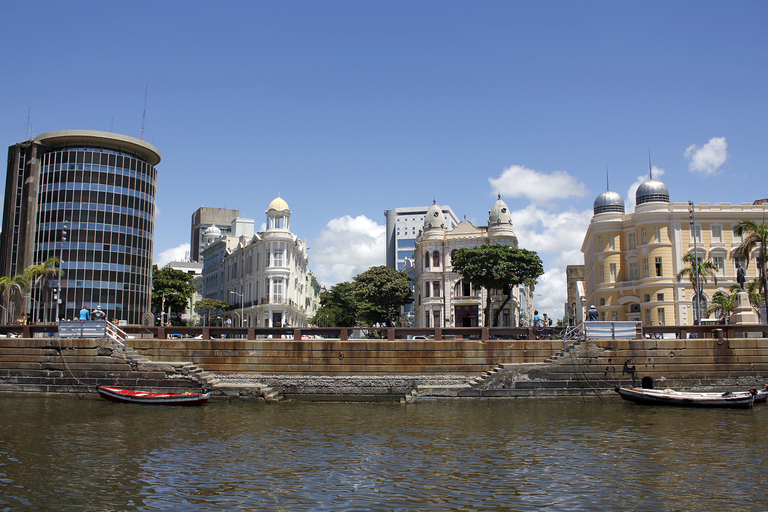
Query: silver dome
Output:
(651,191)
(608,201)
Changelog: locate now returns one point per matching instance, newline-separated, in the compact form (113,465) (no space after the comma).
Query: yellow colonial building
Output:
(631,260)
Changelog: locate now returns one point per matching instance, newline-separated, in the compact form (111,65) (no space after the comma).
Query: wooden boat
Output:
(146,397)
(760,396)
(738,399)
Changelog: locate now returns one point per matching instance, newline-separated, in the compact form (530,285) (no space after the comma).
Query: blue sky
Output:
(347,109)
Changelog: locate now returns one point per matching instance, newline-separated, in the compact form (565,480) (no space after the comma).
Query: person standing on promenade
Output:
(84,313)
(98,314)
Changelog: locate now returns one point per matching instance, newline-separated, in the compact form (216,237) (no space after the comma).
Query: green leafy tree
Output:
(380,292)
(174,285)
(702,269)
(338,307)
(755,238)
(210,305)
(497,267)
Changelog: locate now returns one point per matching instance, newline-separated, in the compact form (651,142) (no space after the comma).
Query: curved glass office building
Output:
(88,198)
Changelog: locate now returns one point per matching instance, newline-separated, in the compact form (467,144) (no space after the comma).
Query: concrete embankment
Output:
(410,371)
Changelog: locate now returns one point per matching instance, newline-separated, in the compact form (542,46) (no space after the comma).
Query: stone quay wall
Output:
(322,369)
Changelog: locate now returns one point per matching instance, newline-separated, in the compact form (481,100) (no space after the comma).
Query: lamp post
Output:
(242,318)
(61,293)
(692,218)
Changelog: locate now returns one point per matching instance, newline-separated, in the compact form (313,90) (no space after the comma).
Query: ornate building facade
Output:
(631,261)
(442,298)
(264,277)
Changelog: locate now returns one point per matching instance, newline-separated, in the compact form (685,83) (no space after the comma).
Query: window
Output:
(436,316)
(634,273)
(427,288)
(632,241)
(658,267)
(277,292)
(436,259)
(615,316)
(266,263)
(645,267)
(736,238)
(436,289)
(613,272)
(660,297)
(612,242)
(602,301)
(599,246)
(644,236)
(719,262)
(602,317)
(426,260)
(696,233)
(648,316)
(279,258)
(657,233)
(601,274)
(662,319)
(717,234)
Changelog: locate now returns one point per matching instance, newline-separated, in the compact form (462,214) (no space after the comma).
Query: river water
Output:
(69,454)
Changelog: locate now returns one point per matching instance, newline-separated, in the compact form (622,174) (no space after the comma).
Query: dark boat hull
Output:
(128,396)
(738,400)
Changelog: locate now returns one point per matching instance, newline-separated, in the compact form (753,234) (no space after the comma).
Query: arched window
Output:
(426,260)
(436,259)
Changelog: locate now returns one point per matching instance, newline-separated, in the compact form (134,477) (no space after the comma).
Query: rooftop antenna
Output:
(650,168)
(607,184)
(112,124)
(29,132)
(144,114)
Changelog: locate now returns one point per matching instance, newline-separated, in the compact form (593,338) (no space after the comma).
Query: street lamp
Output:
(61,292)
(692,218)
(242,318)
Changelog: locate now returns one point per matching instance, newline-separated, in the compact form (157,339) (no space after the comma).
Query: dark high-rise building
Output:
(88,198)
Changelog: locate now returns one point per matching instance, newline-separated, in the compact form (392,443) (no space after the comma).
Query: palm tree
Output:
(11,290)
(51,272)
(697,271)
(722,304)
(755,236)
(33,273)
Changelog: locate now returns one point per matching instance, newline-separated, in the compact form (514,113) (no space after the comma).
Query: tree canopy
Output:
(338,307)
(380,292)
(175,285)
(497,267)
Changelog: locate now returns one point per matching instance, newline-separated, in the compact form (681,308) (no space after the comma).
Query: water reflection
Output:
(96,455)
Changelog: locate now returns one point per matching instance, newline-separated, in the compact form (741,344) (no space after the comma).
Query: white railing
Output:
(116,334)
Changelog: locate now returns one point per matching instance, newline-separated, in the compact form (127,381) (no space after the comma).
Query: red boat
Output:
(146,397)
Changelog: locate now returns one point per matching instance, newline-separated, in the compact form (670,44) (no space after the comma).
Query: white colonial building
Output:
(264,276)
(442,298)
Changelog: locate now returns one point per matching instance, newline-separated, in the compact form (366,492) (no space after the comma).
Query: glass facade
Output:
(94,208)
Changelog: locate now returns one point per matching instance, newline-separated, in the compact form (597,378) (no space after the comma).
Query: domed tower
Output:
(651,191)
(500,219)
(210,235)
(434,221)
(608,201)
(278,215)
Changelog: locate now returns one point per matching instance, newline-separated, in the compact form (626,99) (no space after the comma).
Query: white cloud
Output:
(551,294)
(553,233)
(708,158)
(345,247)
(630,201)
(539,188)
(179,253)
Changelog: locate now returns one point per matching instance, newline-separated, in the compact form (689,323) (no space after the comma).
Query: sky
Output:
(347,109)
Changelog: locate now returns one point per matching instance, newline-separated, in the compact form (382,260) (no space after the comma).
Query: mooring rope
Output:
(69,371)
